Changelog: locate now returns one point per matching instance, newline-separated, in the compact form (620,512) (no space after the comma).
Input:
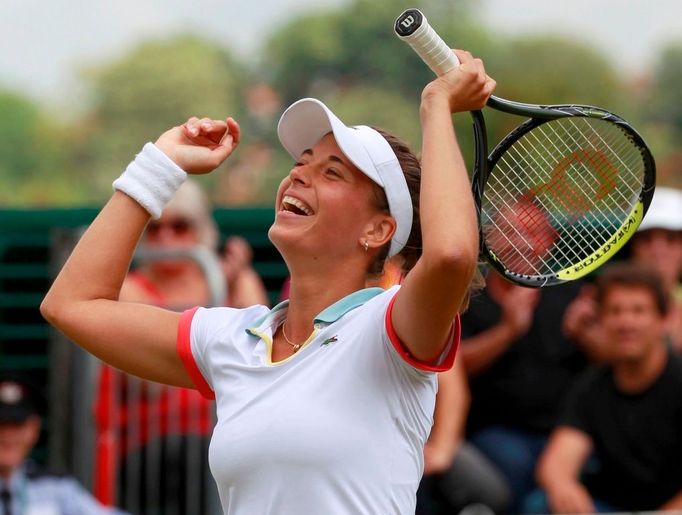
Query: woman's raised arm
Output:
(83,300)
(434,289)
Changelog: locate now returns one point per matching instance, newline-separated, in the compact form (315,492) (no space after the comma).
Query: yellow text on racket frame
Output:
(606,251)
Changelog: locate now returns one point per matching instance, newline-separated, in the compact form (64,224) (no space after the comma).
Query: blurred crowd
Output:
(561,400)
(568,398)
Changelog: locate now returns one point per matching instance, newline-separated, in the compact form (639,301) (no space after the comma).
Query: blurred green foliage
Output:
(348,57)
(356,46)
(666,89)
(32,153)
(156,86)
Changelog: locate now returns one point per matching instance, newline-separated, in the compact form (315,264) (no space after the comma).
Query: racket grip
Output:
(413,28)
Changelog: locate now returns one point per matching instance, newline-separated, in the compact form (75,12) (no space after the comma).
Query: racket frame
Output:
(413,28)
(536,116)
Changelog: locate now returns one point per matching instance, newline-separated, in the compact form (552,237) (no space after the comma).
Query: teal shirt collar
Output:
(346,304)
(331,313)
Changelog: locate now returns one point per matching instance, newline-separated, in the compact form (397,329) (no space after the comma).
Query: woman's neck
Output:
(309,294)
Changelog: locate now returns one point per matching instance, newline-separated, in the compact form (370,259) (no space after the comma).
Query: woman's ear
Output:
(378,231)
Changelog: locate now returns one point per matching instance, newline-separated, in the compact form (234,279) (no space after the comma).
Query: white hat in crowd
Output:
(665,211)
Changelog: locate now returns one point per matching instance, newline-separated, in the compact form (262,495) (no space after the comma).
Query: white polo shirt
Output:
(339,427)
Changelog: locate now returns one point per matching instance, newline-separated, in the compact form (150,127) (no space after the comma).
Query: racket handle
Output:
(412,27)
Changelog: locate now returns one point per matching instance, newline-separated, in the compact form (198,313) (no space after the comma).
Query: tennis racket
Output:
(562,192)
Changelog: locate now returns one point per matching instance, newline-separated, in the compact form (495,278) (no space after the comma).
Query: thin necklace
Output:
(294,346)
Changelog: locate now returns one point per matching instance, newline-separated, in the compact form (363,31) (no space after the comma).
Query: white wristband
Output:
(151,179)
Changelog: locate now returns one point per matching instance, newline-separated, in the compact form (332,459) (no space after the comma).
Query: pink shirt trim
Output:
(443,363)
(185,353)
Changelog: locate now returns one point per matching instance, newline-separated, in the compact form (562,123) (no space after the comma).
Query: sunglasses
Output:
(179,227)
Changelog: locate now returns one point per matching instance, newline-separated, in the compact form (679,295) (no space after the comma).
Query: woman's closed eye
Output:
(333,172)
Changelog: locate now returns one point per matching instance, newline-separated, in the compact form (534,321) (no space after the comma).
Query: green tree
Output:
(352,59)
(31,152)
(20,119)
(357,45)
(662,113)
(549,69)
(665,102)
(156,86)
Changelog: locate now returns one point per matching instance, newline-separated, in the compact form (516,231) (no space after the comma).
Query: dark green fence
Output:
(29,248)
(26,237)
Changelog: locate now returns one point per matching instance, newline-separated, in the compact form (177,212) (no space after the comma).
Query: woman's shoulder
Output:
(222,323)
(387,294)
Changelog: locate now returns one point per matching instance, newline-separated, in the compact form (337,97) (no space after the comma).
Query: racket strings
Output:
(582,188)
(509,251)
(543,243)
(570,206)
(613,204)
(625,147)
(571,135)
(559,192)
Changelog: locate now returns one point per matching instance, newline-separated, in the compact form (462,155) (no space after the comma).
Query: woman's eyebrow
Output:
(337,159)
(333,158)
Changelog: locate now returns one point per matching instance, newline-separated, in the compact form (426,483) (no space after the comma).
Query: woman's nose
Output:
(300,174)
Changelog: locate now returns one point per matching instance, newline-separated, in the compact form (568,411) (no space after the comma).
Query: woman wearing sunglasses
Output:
(187,222)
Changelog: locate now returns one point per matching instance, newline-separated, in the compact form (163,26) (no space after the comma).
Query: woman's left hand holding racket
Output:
(466,86)
(200,145)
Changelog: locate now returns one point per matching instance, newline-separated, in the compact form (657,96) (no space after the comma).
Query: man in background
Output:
(627,417)
(24,488)
(657,243)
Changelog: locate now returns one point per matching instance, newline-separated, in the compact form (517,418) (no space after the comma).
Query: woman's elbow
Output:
(455,261)
(55,308)
(49,309)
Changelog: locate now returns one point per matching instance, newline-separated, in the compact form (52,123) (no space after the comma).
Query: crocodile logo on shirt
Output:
(329,340)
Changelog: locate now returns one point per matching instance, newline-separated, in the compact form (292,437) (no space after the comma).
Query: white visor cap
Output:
(307,121)
(665,211)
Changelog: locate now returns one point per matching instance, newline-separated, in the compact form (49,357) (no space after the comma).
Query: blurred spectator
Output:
(187,222)
(658,243)
(520,367)
(628,415)
(456,474)
(160,434)
(521,235)
(25,488)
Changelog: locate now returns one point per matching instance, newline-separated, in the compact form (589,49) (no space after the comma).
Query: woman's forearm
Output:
(447,210)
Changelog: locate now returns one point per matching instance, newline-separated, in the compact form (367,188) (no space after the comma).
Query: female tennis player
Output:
(325,401)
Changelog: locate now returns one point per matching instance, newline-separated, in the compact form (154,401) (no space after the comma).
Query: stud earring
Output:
(366,246)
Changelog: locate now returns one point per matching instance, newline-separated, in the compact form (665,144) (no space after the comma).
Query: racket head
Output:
(561,194)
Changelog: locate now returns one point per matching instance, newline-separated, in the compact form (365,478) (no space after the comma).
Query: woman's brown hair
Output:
(411,167)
